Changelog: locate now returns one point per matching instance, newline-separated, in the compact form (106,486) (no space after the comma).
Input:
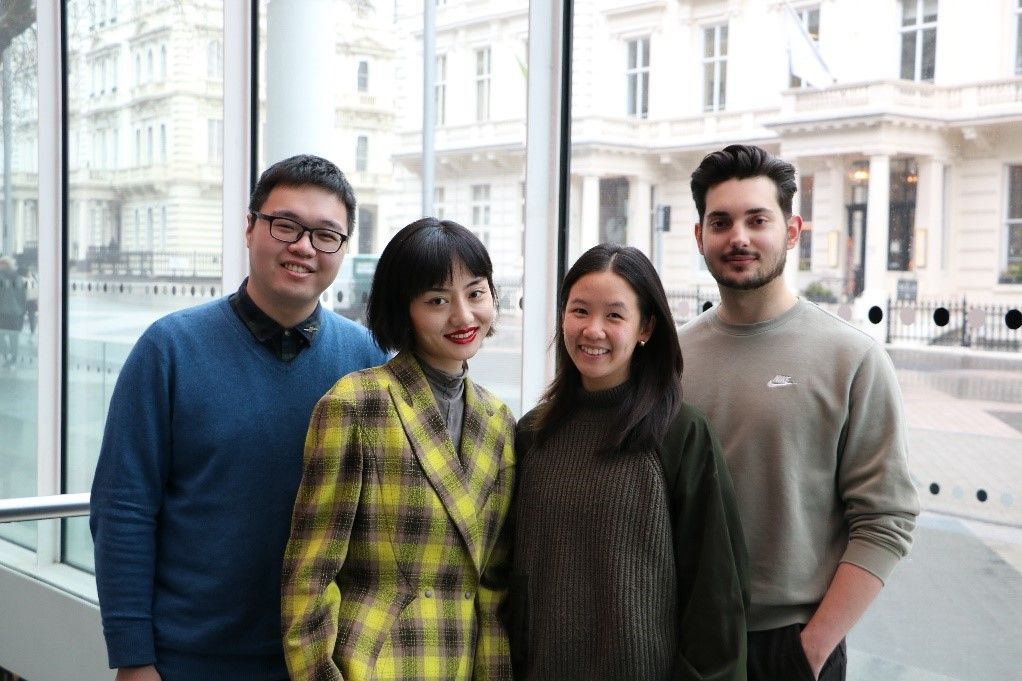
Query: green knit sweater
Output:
(629,565)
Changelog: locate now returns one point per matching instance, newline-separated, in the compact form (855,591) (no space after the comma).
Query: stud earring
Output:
(642,344)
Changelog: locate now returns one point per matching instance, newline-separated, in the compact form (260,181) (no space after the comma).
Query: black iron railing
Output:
(112,261)
(955,323)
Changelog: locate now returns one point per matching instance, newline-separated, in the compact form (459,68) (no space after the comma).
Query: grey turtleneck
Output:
(449,391)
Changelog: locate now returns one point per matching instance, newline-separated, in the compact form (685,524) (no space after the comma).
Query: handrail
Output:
(42,508)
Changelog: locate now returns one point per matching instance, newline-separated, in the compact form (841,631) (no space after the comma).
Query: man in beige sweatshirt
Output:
(809,413)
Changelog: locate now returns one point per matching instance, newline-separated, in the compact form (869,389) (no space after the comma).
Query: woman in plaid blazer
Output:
(396,563)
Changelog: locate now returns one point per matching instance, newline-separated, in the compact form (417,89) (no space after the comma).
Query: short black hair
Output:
(421,256)
(305,170)
(741,161)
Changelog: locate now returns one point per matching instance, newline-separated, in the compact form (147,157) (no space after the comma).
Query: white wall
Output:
(47,634)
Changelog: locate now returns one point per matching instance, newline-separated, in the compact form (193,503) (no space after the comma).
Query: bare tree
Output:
(16,16)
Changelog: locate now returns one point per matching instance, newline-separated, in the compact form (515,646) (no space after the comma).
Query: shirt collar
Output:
(266,330)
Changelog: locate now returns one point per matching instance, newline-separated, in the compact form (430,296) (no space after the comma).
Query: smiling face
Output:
(744,237)
(450,322)
(285,280)
(602,327)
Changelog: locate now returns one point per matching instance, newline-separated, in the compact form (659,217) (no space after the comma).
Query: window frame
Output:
(918,30)
(1010,223)
(56,208)
(440,89)
(439,201)
(362,76)
(807,15)
(362,153)
(716,99)
(1018,38)
(637,76)
(483,73)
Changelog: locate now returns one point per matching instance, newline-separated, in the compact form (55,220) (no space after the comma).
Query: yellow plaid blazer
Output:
(396,563)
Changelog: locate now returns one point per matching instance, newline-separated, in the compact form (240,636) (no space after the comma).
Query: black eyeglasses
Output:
(291,231)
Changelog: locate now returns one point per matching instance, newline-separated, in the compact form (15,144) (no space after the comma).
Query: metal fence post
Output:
(889,322)
(965,323)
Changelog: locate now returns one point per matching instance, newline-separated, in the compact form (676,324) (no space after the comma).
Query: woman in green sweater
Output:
(628,561)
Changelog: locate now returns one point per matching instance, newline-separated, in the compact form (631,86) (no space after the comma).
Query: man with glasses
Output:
(202,453)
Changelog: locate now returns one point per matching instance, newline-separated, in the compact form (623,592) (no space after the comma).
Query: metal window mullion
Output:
(429,105)
(52,318)
(238,134)
(547,155)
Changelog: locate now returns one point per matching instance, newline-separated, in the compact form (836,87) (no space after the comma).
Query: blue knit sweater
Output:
(193,493)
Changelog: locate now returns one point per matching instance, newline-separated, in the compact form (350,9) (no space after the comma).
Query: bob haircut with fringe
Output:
(420,257)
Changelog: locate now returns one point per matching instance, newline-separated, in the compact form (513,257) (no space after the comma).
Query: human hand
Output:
(147,673)
(816,656)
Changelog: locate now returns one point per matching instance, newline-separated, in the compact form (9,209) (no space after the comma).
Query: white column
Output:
(927,241)
(590,232)
(300,101)
(543,140)
(639,232)
(877,225)
(791,260)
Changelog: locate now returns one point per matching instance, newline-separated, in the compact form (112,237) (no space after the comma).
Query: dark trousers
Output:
(777,655)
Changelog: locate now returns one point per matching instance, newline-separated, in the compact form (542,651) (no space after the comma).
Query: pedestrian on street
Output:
(12,310)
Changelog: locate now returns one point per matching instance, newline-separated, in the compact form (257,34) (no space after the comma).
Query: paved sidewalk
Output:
(965,454)
(950,611)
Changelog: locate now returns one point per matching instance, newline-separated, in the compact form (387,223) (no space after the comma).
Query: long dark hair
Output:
(645,413)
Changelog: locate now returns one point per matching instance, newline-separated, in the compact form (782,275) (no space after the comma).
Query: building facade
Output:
(910,158)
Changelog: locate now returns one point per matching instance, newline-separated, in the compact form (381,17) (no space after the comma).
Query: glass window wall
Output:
(19,263)
(479,140)
(886,215)
(144,235)
(143,229)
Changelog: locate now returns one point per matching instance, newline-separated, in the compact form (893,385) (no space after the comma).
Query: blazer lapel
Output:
(482,442)
(427,434)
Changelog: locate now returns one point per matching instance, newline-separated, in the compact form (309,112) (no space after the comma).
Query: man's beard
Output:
(751,283)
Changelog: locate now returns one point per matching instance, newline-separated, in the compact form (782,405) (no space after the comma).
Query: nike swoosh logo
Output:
(780,381)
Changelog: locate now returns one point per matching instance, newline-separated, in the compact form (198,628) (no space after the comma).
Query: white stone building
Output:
(911,160)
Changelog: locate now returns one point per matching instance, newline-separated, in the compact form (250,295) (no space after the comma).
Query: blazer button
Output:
(428,593)
(468,595)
